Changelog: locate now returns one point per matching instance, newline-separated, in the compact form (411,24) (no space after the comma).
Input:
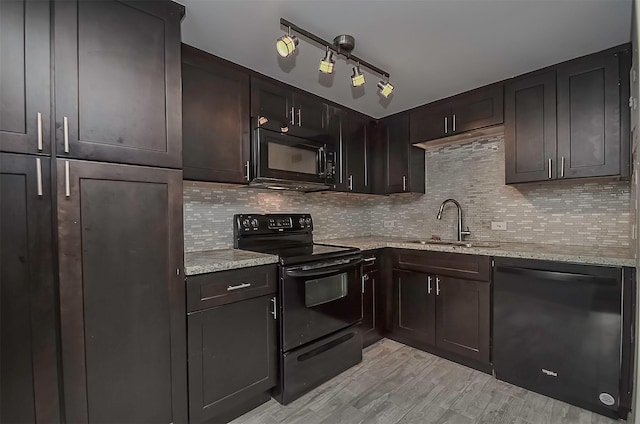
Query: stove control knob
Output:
(245,223)
(254,223)
(301,222)
(308,221)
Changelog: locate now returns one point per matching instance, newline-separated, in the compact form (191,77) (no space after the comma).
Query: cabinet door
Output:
(273,102)
(477,109)
(118,81)
(24,76)
(414,308)
(396,154)
(530,128)
(232,357)
(589,117)
(312,116)
(371,323)
(28,363)
(356,154)
(122,297)
(430,122)
(463,317)
(215,119)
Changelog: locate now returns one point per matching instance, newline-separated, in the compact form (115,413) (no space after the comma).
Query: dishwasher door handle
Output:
(555,275)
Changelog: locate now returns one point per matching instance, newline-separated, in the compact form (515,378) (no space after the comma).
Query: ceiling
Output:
(432,48)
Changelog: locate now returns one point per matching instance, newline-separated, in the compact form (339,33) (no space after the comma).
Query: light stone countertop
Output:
(609,256)
(224,259)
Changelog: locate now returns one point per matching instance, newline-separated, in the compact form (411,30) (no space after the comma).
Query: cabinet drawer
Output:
(218,288)
(460,265)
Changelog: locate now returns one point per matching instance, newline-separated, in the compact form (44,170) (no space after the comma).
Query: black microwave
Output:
(286,162)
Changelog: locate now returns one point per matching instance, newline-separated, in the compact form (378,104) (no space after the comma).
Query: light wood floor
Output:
(399,384)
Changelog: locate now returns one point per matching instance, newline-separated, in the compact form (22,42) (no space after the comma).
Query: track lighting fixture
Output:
(286,44)
(342,45)
(327,64)
(357,79)
(385,88)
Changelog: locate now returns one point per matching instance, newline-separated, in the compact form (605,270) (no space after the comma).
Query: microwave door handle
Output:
(322,157)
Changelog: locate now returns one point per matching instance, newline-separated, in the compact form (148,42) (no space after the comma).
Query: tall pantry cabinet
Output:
(106,186)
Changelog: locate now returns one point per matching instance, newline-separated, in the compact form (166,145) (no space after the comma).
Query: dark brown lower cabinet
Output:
(122,299)
(372,317)
(414,308)
(463,317)
(28,360)
(233,356)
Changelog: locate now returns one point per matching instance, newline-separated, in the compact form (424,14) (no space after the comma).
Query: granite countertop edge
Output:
(515,250)
(205,262)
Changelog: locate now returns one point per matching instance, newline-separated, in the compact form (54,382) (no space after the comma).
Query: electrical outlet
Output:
(388,224)
(499,225)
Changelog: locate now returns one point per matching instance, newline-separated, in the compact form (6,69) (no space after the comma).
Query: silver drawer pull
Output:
(370,259)
(67,183)
(39,176)
(238,287)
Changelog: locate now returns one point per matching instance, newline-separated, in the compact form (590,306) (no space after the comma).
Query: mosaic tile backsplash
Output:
(568,213)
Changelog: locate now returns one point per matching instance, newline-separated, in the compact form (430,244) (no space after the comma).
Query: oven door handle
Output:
(318,272)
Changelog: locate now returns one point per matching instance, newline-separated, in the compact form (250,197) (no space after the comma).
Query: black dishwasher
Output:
(557,330)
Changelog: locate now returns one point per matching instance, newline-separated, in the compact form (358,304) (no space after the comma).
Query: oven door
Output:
(287,158)
(319,299)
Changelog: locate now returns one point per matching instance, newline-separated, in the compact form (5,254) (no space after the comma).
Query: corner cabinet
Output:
(569,121)
(469,111)
(399,167)
(216,119)
(117,81)
(121,293)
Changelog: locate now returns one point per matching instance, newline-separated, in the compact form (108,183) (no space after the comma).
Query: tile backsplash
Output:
(563,212)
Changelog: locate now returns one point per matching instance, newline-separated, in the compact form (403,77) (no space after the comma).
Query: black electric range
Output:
(289,236)
(320,300)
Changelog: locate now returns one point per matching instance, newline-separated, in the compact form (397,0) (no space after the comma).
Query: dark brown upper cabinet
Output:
(122,293)
(356,153)
(469,111)
(25,125)
(570,120)
(398,166)
(530,141)
(216,119)
(28,357)
(589,139)
(302,115)
(117,81)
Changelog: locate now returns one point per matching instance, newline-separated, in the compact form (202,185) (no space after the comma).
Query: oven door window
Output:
(292,159)
(324,290)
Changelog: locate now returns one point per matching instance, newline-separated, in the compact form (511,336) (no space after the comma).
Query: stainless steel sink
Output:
(484,244)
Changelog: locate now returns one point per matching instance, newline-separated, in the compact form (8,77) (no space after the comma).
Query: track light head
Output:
(357,79)
(327,64)
(385,88)
(286,44)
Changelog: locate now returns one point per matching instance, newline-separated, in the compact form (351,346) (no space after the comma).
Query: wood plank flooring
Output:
(397,384)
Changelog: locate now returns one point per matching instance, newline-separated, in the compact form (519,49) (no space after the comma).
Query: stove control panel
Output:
(272,223)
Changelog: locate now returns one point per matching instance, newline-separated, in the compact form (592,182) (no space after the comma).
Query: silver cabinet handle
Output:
(366,159)
(275,308)
(293,116)
(39,131)
(370,259)
(429,284)
(67,183)
(350,182)
(562,167)
(437,286)
(246,167)
(454,122)
(445,125)
(404,183)
(550,162)
(66,134)
(238,287)
(39,175)
(299,117)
